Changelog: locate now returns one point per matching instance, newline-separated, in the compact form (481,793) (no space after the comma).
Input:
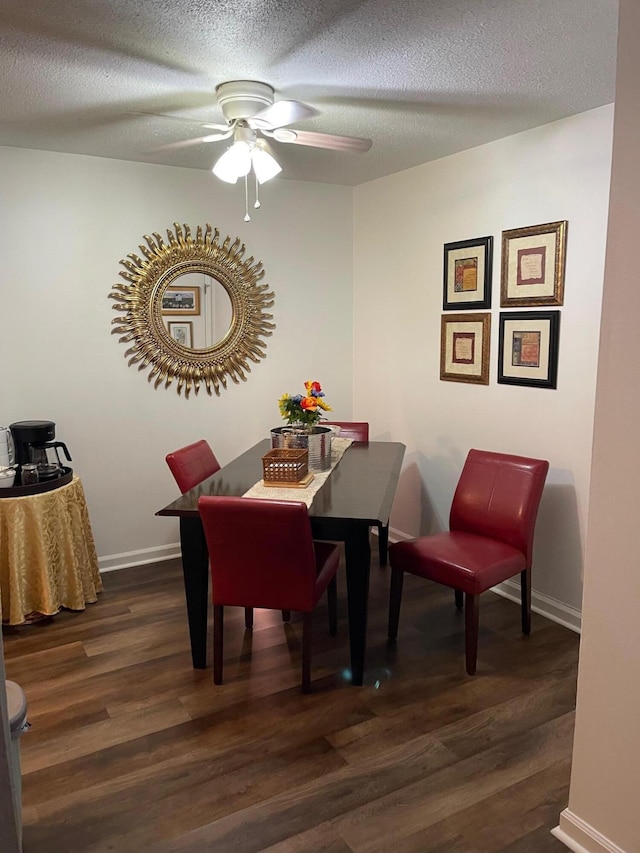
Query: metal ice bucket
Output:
(317,440)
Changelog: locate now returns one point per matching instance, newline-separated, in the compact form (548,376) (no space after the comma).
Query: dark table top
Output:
(361,487)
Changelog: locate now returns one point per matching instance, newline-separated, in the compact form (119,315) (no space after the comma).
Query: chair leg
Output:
(471,614)
(286,616)
(395,598)
(218,634)
(383,543)
(306,651)
(248,617)
(332,603)
(525,590)
(459,598)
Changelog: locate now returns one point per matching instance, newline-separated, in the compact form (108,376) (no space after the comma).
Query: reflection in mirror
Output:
(204,317)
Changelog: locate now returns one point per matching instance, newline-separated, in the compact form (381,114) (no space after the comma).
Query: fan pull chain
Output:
(257,201)
(247,218)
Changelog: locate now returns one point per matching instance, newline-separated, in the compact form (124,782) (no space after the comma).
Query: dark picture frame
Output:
(528,346)
(467,274)
(533,265)
(464,348)
(183,300)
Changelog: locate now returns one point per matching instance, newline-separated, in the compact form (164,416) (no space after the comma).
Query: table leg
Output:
(357,557)
(195,567)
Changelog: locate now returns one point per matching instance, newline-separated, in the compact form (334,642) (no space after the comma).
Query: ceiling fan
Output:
(251,112)
(253,117)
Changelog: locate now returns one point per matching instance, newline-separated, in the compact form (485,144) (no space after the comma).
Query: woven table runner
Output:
(338,448)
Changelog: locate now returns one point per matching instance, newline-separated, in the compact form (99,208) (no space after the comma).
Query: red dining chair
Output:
(490,539)
(192,464)
(262,554)
(359,431)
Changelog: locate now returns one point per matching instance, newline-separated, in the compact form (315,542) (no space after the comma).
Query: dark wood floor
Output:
(132,750)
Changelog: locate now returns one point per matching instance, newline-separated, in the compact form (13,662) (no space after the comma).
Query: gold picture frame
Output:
(464,348)
(533,265)
(181,299)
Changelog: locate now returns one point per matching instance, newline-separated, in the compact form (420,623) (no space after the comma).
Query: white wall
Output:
(67,222)
(72,218)
(603,800)
(558,171)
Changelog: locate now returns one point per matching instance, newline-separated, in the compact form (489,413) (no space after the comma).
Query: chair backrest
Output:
(192,464)
(261,552)
(357,430)
(498,496)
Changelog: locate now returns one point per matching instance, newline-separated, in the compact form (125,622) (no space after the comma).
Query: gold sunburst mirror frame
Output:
(140,300)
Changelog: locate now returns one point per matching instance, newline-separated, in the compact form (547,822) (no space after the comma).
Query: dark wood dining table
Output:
(356,496)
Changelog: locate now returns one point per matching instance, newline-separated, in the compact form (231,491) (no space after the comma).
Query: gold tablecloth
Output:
(48,557)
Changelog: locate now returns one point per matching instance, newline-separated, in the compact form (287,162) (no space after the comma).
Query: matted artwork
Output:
(467,274)
(181,300)
(464,348)
(528,348)
(182,332)
(533,261)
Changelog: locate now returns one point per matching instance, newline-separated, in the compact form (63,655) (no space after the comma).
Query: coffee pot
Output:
(34,443)
(47,458)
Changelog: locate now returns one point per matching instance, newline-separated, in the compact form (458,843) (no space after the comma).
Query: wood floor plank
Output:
(495,822)
(131,749)
(451,790)
(387,798)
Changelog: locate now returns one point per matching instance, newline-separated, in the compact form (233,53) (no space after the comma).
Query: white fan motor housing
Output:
(240,99)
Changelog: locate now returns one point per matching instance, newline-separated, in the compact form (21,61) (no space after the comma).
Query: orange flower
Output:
(306,410)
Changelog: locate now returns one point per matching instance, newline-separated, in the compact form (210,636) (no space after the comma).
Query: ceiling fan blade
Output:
(183,119)
(281,113)
(322,140)
(185,143)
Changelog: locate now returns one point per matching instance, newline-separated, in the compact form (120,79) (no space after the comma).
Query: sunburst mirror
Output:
(193,308)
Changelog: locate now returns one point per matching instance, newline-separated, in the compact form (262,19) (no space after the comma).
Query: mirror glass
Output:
(197,311)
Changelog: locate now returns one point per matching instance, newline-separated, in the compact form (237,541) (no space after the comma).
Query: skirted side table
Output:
(48,559)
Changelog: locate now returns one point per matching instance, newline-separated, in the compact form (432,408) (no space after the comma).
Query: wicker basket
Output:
(285,465)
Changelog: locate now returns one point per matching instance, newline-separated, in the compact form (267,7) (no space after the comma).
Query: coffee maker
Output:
(33,441)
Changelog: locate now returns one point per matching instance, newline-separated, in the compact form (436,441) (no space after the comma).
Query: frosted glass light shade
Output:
(264,165)
(234,163)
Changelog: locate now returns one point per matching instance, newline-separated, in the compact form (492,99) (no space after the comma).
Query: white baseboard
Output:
(139,558)
(546,606)
(551,608)
(579,836)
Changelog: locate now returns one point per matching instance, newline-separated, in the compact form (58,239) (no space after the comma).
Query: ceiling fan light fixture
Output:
(284,134)
(264,165)
(234,163)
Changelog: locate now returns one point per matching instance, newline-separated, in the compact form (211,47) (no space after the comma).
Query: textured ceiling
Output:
(421,78)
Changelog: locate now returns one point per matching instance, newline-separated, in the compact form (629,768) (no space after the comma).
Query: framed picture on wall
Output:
(467,274)
(182,332)
(464,348)
(533,261)
(528,348)
(181,300)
